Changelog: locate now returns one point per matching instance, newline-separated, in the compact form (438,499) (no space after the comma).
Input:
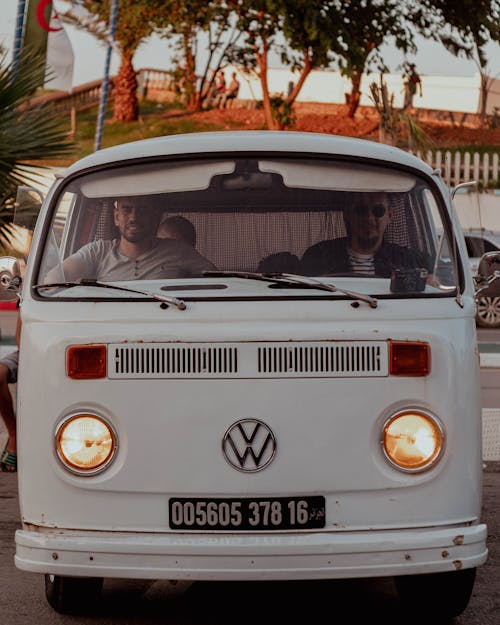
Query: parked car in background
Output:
(9,267)
(478,242)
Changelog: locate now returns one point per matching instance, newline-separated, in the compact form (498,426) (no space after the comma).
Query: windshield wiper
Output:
(181,305)
(293,280)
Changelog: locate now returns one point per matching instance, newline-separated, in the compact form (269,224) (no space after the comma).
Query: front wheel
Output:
(73,595)
(488,312)
(445,595)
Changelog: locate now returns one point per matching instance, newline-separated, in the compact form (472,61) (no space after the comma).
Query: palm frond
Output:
(27,134)
(418,138)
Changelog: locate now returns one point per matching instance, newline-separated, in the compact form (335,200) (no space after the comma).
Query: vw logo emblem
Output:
(249,445)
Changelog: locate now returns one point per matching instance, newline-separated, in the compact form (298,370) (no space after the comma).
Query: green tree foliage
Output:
(464,28)
(188,23)
(315,34)
(308,42)
(261,23)
(209,34)
(358,30)
(135,23)
(27,134)
(297,31)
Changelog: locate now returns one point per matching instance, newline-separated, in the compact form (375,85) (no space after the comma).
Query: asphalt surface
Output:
(22,596)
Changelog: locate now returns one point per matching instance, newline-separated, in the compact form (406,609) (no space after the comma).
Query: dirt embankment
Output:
(332,119)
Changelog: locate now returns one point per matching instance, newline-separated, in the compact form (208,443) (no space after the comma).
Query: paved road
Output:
(22,598)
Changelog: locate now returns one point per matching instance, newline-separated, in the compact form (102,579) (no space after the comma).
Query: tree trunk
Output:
(287,117)
(271,123)
(126,106)
(484,98)
(355,94)
(192,96)
(306,70)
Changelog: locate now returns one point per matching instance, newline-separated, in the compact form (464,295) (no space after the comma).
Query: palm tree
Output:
(27,134)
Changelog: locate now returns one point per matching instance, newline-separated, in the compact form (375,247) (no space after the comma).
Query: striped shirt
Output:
(361,263)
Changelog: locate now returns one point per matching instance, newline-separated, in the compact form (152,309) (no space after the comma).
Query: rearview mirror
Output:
(28,203)
(488,272)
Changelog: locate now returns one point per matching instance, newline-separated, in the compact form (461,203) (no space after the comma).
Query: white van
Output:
(303,404)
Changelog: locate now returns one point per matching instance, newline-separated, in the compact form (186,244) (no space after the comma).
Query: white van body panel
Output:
(327,420)
(363,493)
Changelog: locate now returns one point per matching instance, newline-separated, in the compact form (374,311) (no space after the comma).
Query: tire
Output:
(444,595)
(73,595)
(488,312)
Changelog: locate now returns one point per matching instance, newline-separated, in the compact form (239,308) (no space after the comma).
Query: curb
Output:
(489,360)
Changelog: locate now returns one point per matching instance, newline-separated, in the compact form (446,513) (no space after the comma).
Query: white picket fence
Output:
(457,167)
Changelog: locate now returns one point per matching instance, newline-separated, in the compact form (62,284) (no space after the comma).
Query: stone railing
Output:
(80,98)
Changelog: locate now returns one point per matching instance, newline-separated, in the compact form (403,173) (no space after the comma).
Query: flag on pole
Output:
(45,34)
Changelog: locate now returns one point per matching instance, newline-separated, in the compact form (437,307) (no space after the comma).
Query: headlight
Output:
(413,440)
(85,443)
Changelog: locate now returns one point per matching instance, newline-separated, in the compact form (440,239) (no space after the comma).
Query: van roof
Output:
(249,141)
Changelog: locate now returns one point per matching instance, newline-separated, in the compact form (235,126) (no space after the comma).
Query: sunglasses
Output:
(377,210)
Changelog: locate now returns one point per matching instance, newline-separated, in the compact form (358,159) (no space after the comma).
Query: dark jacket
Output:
(331,257)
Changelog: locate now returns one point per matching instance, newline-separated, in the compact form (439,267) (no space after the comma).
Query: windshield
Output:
(372,229)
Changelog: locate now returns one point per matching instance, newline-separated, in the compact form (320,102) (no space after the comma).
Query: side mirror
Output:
(488,272)
(464,185)
(10,278)
(28,203)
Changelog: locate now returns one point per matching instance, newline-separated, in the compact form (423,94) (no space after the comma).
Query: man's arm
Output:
(72,268)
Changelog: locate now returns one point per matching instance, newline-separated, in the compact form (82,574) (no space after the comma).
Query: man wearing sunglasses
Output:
(364,251)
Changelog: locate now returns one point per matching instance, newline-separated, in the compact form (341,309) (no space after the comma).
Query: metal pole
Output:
(18,35)
(105,80)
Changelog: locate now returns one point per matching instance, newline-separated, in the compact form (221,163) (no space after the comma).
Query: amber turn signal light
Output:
(86,362)
(411,358)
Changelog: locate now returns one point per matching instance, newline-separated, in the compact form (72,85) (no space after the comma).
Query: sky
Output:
(431,59)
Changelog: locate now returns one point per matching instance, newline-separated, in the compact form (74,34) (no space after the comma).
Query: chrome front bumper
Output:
(319,555)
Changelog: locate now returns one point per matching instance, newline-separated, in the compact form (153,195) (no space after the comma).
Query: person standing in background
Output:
(412,84)
(231,92)
(220,89)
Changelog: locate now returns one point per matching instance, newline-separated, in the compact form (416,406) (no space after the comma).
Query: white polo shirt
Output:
(168,258)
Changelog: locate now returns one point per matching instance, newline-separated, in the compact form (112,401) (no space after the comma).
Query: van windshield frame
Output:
(267,214)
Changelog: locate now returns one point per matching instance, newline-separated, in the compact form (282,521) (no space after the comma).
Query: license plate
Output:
(268,513)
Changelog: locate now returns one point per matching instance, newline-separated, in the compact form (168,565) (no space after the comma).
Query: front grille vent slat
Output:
(328,359)
(335,359)
(143,361)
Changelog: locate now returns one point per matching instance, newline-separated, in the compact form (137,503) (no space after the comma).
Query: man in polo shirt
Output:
(137,254)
